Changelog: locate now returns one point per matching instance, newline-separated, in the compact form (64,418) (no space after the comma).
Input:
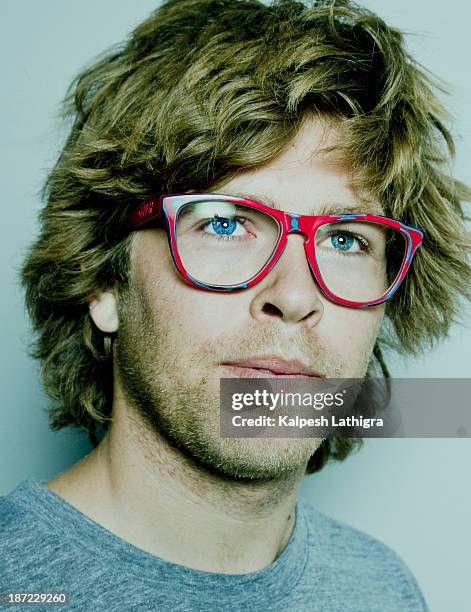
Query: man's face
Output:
(174,339)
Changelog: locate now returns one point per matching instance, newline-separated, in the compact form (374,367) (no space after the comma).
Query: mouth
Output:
(270,367)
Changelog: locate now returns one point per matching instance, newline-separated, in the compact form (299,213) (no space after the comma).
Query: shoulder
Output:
(348,551)
(342,541)
(14,517)
(24,535)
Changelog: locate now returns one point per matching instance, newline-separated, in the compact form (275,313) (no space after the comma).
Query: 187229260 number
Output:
(13,598)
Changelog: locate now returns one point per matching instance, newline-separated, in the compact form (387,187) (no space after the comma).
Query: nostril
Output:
(272,310)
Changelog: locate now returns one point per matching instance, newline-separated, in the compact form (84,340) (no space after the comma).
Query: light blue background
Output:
(412,494)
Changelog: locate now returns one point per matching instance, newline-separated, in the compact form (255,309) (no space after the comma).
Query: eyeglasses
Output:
(227,243)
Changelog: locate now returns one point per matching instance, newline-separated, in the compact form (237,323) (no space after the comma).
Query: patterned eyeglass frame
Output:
(165,208)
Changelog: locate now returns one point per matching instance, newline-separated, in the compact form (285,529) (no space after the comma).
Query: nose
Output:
(289,292)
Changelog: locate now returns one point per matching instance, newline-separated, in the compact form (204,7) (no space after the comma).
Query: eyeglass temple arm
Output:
(150,210)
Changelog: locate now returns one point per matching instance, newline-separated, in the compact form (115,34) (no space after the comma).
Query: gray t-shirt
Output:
(47,546)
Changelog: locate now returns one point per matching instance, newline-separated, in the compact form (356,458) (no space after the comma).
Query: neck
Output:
(140,487)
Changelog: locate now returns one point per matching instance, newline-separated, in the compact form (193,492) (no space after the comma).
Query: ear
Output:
(104,312)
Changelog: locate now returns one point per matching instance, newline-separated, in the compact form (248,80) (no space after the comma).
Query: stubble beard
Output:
(172,390)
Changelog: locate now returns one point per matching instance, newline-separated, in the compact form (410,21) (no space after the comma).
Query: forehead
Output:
(305,177)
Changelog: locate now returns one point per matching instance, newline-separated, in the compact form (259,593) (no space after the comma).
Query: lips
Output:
(271,367)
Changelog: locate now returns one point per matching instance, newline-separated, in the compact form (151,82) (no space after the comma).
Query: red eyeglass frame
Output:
(165,208)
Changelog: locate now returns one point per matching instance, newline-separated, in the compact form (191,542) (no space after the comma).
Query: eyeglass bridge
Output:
(294,224)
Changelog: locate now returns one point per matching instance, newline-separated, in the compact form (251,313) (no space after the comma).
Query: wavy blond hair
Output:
(200,91)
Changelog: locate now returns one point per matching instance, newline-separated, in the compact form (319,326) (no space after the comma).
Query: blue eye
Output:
(222,225)
(342,241)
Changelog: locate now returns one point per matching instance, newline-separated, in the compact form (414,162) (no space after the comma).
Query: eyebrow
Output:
(327,208)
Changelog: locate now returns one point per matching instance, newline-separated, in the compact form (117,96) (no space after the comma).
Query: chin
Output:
(260,459)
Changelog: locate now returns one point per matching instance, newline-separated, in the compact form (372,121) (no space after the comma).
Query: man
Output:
(310,110)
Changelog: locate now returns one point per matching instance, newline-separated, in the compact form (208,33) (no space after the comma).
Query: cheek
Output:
(191,315)
(212,319)
(352,331)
